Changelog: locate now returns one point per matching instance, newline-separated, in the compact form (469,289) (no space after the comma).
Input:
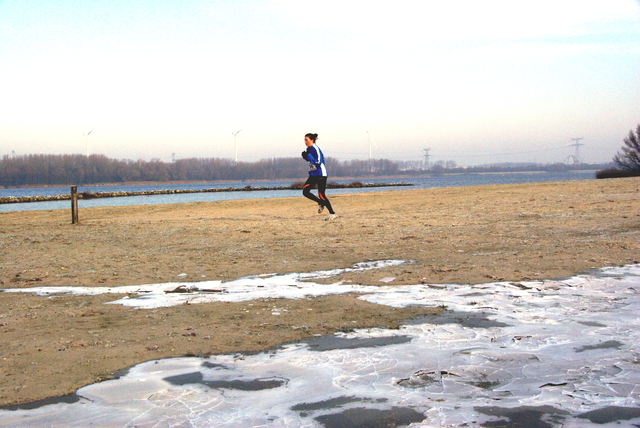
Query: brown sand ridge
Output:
(54,345)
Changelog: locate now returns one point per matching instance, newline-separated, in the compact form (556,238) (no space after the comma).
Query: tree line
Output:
(52,170)
(39,170)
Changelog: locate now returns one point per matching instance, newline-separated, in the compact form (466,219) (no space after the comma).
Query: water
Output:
(417,182)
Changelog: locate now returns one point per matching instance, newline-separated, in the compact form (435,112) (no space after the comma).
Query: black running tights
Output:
(321,199)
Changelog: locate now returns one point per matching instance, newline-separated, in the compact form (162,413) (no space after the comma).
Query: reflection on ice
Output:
(529,354)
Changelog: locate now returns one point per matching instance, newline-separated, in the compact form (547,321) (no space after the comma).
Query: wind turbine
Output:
(235,147)
(370,157)
(86,140)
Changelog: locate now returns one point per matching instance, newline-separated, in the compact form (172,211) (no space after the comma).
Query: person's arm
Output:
(313,156)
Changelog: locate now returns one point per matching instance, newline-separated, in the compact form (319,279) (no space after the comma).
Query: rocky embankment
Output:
(91,195)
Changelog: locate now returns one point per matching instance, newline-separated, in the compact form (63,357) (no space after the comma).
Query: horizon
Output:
(474,83)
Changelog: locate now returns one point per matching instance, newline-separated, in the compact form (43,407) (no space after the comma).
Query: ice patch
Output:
(289,286)
(539,353)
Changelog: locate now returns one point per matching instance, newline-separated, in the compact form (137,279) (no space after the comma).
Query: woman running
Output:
(317,175)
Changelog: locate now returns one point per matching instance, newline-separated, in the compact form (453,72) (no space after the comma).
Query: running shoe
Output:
(331,217)
(320,208)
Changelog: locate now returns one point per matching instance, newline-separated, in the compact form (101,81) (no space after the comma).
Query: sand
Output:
(53,345)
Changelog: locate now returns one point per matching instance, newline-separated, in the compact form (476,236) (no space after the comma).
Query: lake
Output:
(417,183)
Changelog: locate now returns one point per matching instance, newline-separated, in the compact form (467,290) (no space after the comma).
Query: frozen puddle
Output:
(289,286)
(527,354)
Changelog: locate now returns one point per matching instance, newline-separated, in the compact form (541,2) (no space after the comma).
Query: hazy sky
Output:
(476,82)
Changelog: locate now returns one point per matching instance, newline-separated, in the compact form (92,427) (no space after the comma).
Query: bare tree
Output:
(629,157)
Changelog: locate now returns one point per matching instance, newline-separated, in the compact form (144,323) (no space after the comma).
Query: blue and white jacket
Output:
(314,156)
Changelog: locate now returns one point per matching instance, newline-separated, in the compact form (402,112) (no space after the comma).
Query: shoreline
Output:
(248,188)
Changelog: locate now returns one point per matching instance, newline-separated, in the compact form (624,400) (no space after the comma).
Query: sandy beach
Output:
(54,345)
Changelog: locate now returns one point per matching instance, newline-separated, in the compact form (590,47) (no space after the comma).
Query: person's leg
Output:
(306,190)
(322,186)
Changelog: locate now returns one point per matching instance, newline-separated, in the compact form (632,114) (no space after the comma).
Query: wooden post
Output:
(74,205)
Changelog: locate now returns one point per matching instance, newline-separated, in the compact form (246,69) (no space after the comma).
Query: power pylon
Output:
(426,158)
(577,144)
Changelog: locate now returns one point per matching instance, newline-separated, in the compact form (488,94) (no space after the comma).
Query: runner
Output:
(317,175)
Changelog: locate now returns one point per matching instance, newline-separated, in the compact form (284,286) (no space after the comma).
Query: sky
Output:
(473,82)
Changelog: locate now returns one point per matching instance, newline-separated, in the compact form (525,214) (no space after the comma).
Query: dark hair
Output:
(312,137)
